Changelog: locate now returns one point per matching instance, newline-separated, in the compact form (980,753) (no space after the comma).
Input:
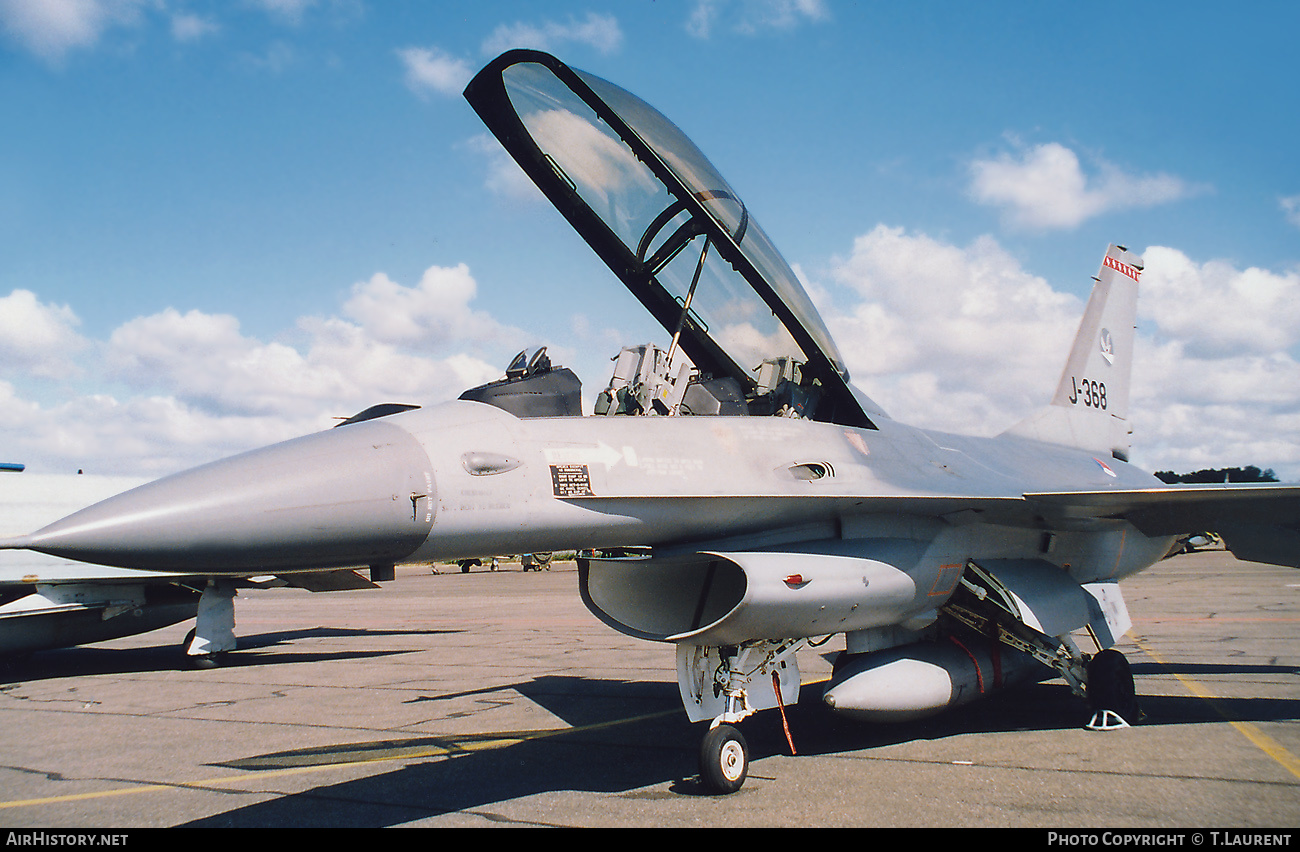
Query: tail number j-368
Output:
(1088,392)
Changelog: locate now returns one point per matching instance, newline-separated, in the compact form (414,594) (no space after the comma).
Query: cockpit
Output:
(647,381)
(744,338)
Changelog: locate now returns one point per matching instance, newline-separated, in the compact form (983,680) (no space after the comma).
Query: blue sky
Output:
(223,223)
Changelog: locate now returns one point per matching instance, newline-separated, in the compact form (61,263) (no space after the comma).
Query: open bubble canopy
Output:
(662,218)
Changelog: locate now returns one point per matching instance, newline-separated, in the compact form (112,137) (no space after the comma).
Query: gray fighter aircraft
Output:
(734,495)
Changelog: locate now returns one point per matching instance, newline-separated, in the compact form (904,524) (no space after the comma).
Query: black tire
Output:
(1110,686)
(198,661)
(724,760)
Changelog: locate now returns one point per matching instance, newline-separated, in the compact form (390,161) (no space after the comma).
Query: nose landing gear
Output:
(724,759)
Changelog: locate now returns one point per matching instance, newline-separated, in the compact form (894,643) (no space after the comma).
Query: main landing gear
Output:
(984,605)
(1111,693)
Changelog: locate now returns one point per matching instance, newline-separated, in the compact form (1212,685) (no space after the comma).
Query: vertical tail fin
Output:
(1090,408)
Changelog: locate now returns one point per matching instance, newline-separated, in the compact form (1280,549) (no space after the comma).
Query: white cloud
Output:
(203,359)
(141,435)
(206,362)
(275,57)
(16,414)
(1192,412)
(53,28)
(36,338)
(1291,209)
(174,388)
(930,321)
(1214,309)
(189,27)
(752,16)
(1045,187)
(963,339)
(366,368)
(289,11)
(429,315)
(588,154)
(429,69)
(1217,373)
(50,28)
(504,177)
(599,31)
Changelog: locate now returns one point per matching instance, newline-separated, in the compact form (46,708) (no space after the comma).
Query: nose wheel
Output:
(724,759)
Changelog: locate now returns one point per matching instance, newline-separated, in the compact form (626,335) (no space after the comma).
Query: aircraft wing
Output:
(30,569)
(1259,523)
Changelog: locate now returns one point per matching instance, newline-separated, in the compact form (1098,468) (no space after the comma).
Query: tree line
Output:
(1249,473)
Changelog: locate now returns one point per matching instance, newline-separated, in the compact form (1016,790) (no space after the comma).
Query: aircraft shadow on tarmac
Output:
(91,660)
(1211,669)
(626,735)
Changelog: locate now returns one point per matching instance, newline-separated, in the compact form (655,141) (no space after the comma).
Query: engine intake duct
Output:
(713,598)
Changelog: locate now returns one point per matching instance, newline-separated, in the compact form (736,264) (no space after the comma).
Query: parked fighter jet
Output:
(50,602)
(735,495)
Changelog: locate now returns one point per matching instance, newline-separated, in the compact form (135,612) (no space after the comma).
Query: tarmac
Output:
(494,698)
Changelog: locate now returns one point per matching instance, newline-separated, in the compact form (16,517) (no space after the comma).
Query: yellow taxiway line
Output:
(1250,731)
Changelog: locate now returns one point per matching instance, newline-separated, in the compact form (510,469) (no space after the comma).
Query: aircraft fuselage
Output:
(463,479)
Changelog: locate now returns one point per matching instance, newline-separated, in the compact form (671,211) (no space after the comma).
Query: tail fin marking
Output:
(1090,408)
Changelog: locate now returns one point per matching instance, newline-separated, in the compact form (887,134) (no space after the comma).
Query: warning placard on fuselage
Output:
(571,480)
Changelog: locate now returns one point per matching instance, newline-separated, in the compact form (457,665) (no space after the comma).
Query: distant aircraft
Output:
(734,495)
(50,602)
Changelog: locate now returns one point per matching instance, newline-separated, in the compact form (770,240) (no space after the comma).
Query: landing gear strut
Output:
(214,628)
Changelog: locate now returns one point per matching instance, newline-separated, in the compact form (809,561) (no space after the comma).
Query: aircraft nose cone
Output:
(361,494)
